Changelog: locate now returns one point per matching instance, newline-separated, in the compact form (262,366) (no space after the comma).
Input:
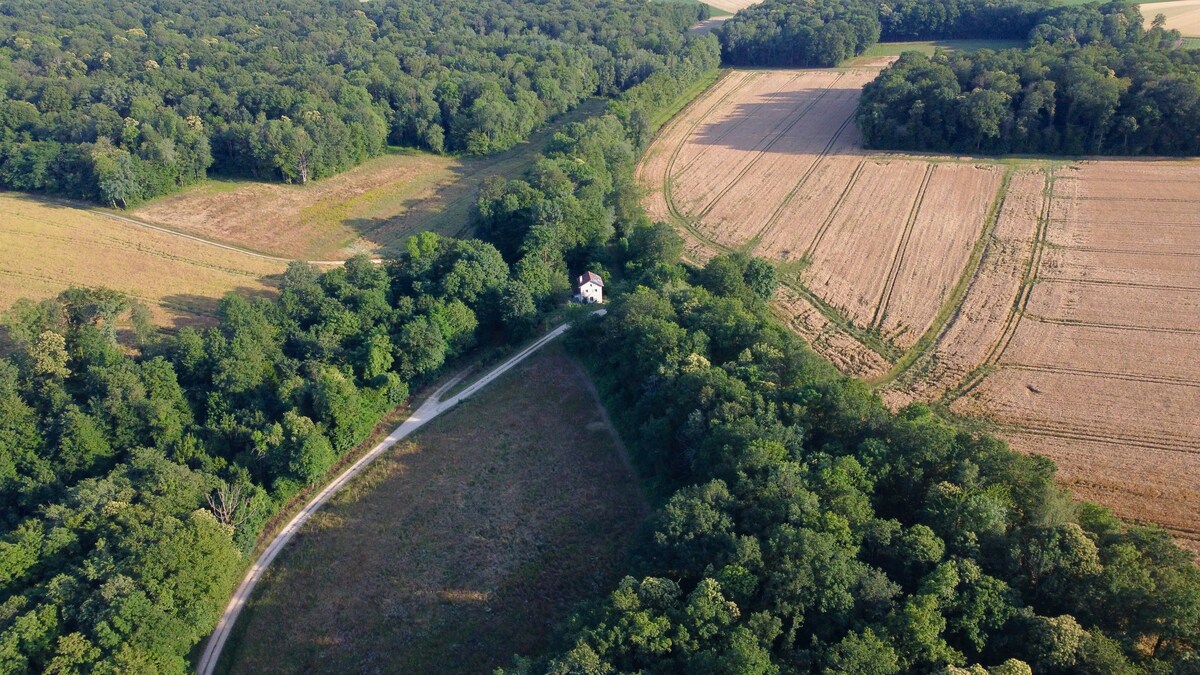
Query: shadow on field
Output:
(200,311)
(753,126)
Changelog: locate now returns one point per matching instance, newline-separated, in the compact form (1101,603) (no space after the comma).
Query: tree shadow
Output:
(757,126)
(200,311)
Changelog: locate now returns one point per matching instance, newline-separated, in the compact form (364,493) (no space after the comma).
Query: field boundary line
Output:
(1113,282)
(759,154)
(949,312)
(1020,302)
(1178,444)
(1114,326)
(429,409)
(1128,251)
(1106,375)
(889,285)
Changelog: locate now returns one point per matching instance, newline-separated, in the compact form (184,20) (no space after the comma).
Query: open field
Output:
(46,247)
(1058,300)
(371,209)
(1182,15)
(461,547)
(883,52)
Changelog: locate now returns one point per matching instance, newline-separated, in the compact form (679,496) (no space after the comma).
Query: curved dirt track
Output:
(431,408)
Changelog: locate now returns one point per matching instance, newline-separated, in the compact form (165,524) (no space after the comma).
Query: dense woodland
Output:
(138,469)
(805,528)
(1093,82)
(787,33)
(120,100)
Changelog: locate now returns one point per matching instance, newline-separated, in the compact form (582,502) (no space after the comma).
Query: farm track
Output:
(671,172)
(1129,251)
(1115,326)
(1117,283)
(837,207)
(767,148)
(898,258)
(1068,432)
(1011,323)
(950,310)
(1105,375)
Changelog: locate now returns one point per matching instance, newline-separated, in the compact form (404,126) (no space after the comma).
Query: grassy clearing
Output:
(372,208)
(459,548)
(46,247)
(883,50)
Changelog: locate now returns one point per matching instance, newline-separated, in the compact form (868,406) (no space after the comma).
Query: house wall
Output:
(591,293)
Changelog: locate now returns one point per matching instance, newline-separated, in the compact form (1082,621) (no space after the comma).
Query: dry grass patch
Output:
(46,247)
(370,209)
(459,548)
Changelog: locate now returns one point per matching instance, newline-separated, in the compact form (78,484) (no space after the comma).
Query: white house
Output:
(589,288)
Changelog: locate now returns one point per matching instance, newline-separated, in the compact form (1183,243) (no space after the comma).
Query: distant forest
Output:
(1093,82)
(1093,79)
(118,101)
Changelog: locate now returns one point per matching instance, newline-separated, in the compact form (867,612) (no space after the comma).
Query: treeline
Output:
(136,476)
(1094,82)
(811,33)
(120,100)
(825,33)
(805,528)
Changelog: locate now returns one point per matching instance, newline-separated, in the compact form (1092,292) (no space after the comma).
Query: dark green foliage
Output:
(132,486)
(1093,82)
(791,33)
(117,101)
(817,532)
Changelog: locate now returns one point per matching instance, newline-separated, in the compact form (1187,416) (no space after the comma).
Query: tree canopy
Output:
(120,100)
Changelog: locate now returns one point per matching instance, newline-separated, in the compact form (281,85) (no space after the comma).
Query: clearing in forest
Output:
(459,548)
(372,208)
(46,247)
(1059,300)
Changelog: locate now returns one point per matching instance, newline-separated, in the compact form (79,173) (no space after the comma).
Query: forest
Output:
(1093,82)
(117,101)
(785,33)
(805,528)
(138,468)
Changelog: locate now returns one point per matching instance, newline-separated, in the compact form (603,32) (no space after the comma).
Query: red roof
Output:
(591,277)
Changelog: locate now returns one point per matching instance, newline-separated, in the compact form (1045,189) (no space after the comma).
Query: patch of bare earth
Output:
(462,547)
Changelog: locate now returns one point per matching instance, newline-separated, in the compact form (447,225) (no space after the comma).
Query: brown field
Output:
(460,548)
(46,247)
(731,6)
(1182,15)
(370,209)
(1060,301)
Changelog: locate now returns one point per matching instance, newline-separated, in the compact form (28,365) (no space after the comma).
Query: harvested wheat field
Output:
(1182,15)
(769,162)
(46,247)
(1058,300)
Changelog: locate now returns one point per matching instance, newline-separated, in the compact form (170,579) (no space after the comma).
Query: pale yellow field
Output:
(731,6)
(1182,15)
(45,248)
(1058,300)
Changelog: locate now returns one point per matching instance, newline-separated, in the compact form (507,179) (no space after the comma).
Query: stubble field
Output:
(1059,300)
(46,247)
